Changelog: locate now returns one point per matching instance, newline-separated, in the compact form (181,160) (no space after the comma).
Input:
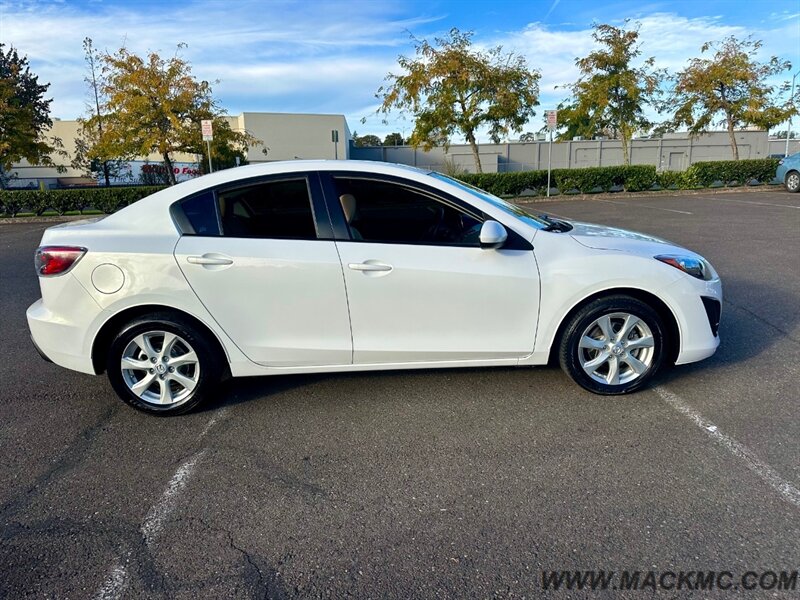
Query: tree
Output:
(393,139)
(153,105)
(24,116)
(366,140)
(92,59)
(528,136)
(452,89)
(223,155)
(731,84)
(782,133)
(611,95)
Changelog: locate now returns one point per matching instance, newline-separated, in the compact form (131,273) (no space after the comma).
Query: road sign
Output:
(552,119)
(208,130)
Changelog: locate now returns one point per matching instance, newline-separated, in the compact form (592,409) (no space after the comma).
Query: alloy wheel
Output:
(616,348)
(161,368)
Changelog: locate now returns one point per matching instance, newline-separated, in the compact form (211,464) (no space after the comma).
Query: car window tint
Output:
(275,209)
(202,214)
(382,211)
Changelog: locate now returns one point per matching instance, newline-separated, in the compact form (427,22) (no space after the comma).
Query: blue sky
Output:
(330,57)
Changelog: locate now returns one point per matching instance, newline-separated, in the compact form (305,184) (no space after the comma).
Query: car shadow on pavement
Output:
(379,384)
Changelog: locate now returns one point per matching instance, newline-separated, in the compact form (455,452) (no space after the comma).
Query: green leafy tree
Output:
(731,89)
(451,88)
(223,155)
(366,140)
(393,139)
(154,105)
(24,116)
(612,94)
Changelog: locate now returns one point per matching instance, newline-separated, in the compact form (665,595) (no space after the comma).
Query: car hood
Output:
(602,237)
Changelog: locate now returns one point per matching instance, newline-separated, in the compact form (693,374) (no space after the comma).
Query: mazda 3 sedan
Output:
(325,266)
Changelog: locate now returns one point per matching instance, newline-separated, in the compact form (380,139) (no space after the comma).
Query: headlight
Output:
(696,267)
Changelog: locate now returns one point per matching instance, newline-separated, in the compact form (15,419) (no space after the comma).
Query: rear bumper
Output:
(39,350)
(53,335)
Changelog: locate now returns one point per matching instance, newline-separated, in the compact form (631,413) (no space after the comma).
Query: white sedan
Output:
(323,266)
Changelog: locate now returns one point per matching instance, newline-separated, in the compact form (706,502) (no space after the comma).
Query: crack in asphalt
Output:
(270,587)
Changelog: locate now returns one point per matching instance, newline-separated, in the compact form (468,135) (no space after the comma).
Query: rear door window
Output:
(273,209)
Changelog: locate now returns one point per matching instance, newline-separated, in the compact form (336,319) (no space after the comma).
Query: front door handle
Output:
(210,259)
(370,266)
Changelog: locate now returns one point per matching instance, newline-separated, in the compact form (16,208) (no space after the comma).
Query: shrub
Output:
(672,180)
(705,174)
(631,178)
(103,199)
(586,180)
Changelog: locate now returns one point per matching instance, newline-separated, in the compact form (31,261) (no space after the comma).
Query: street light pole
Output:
(789,128)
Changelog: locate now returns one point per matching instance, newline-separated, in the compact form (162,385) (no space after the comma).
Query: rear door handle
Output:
(368,266)
(210,259)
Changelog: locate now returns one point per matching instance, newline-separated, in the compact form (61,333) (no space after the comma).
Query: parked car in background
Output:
(324,266)
(788,172)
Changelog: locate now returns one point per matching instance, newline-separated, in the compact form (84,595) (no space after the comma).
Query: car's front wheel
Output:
(613,345)
(792,182)
(162,364)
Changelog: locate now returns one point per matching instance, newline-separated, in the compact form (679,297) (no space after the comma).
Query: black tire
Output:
(571,353)
(792,182)
(209,365)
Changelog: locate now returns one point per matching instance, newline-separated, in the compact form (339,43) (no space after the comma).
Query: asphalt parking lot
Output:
(448,484)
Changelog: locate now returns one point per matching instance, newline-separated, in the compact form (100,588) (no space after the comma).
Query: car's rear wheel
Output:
(163,365)
(613,345)
(792,182)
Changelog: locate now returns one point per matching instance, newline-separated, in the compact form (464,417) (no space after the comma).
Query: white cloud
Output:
(284,55)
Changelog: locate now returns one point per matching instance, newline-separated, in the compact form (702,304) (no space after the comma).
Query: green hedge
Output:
(105,199)
(633,178)
(742,172)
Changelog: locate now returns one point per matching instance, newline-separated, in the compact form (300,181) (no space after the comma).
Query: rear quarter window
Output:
(201,213)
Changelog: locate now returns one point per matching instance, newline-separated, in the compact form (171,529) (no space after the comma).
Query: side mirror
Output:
(493,235)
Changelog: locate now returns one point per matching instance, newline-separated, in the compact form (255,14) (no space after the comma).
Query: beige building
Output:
(284,136)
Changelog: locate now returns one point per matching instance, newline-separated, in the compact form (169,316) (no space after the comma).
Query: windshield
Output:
(507,207)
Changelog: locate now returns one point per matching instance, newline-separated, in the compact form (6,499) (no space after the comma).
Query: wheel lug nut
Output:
(172,369)
(165,359)
(153,359)
(152,371)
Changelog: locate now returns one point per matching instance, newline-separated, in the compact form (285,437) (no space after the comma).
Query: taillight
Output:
(57,260)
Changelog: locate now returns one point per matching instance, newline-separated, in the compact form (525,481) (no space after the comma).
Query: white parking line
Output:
(218,416)
(154,521)
(117,580)
(683,212)
(770,476)
(747,202)
(114,584)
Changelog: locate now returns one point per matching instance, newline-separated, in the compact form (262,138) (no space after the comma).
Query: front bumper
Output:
(697,306)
